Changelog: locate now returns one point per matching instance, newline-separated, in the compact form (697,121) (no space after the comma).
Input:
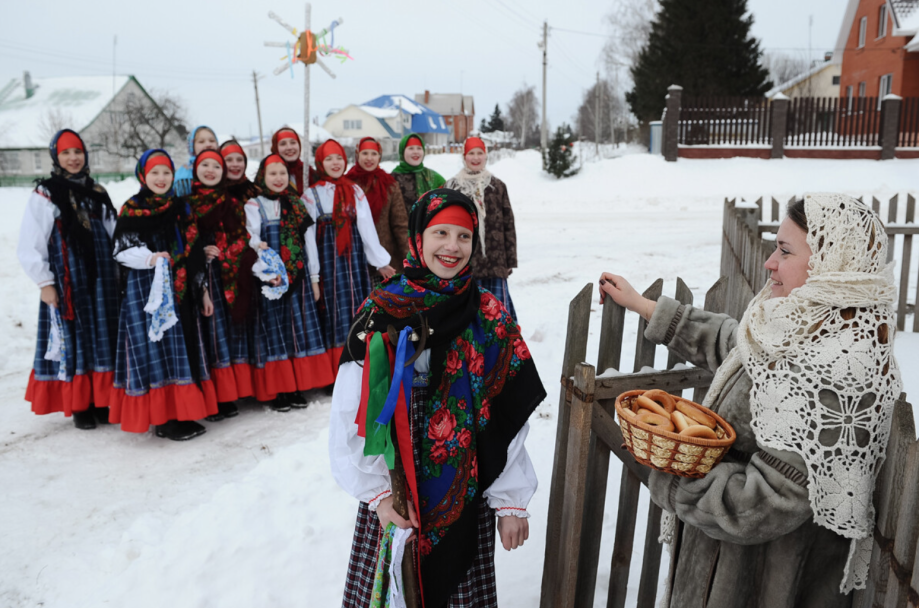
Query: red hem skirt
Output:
(160,405)
(51,396)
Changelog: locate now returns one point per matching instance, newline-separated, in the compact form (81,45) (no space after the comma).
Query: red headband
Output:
(231,149)
(454,214)
(274,158)
(69,140)
(413,141)
(329,147)
(155,160)
(291,135)
(368,143)
(213,154)
(472,143)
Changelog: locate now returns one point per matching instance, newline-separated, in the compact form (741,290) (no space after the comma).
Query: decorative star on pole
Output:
(309,47)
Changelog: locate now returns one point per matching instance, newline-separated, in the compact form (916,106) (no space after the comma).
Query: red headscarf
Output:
(376,184)
(344,211)
(294,168)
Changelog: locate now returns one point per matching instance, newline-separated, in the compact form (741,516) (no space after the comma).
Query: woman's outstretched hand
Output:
(623,294)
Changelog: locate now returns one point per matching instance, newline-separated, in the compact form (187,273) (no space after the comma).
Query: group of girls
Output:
(258,283)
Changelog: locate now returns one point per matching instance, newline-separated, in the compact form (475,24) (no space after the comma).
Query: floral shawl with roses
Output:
(295,219)
(222,222)
(482,388)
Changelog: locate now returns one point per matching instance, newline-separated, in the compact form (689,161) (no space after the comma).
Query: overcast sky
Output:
(205,50)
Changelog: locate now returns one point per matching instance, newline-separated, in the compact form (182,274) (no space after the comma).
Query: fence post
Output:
(890,125)
(671,122)
(779,125)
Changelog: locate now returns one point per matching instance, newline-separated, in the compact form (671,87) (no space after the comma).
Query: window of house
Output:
(849,92)
(10,162)
(836,80)
(36,160)
(882,23)
(886,85)
(353,125)
(862,30)
(862,89)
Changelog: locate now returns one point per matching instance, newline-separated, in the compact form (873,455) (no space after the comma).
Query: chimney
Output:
(828,56)
(27,83)
(427,96)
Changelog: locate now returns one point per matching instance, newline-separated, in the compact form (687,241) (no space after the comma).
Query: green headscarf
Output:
(425,179)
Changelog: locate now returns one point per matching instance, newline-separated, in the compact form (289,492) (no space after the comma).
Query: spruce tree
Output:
(705,47)
(560,154)
(496,121)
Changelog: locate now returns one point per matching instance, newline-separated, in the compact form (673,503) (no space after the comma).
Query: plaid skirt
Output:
(90,337)
(345,281)
(498,287)
(269,326)
(477,590)
(217,337)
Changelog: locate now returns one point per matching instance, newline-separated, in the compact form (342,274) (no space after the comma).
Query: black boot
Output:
(84,420)
(228,409)
(297,400)
(101,414)
(280,403)
(179,430)
(216,417)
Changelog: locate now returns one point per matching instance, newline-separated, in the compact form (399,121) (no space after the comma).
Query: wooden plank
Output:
(887,493)
(775,210)
(607,430)
(683,295)
(575,352)
(907,531)
(611,387)
(907,253)
(594,504)
(891,219)
(644,349)
(575,486)
(612,325)
(651,560)
(624,539)
(875,205)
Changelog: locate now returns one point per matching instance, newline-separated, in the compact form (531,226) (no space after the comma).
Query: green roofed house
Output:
(103,109)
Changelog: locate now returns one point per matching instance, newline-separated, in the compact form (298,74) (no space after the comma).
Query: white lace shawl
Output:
(823,371)
(473,184)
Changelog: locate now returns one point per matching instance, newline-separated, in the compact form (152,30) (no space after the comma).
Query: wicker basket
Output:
(670,452)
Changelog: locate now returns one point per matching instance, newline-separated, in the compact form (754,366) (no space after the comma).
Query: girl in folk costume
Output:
(287,345)
(413,177)
(808,379)
(237,184)
(342,234)
(222,225)
(161,371)
(451,427)
(497,258)
(65,247)
(286,144)
(384,198)
(200,139)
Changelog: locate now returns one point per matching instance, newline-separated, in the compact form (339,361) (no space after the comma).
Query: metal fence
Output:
(725,120)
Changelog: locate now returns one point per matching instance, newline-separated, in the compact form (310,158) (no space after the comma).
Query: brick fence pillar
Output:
(890,126)
(671,119)
(779,125)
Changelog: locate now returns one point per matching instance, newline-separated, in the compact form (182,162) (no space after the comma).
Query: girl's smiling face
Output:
(414,155)
(72,160)
(790,262)
(369,160)
(276,177)
(334,165)
(159,179)
(476,159)
(236,165)
(209,172)
(446,248)
(205,140)
(289,149)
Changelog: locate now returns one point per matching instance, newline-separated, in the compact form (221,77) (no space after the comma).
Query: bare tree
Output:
(53,120)
(629,23)
(613,117)
(523,116)
(140,125)
(783,67)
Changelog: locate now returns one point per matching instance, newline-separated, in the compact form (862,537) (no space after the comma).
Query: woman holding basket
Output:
(808,380)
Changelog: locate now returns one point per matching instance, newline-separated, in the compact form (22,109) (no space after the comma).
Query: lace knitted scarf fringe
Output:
(823,372)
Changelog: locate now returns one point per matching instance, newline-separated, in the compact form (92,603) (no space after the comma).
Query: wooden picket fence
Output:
(588,433)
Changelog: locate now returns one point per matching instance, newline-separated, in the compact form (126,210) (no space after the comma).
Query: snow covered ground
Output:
(248,515)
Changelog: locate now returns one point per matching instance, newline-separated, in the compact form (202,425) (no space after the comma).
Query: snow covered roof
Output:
(448,104)
(468,105)
(905,16)
(424,120)
(802,77)
(77,100)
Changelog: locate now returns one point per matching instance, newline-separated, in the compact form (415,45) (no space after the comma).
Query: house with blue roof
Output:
(388,118)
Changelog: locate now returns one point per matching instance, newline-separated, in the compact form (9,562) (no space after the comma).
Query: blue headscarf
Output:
(185,174)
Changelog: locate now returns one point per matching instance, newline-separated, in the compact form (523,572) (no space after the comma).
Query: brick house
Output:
(879,48)
(457,109)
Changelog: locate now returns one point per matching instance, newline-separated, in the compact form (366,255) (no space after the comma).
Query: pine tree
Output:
(484,127)
(560,154)
(496,121)
(705,47)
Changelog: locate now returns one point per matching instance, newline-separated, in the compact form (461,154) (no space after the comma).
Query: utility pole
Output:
(258,109)
(543,131)
(306,146)
(597,116)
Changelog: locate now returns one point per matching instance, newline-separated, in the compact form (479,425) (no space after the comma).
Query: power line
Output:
(523,17)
